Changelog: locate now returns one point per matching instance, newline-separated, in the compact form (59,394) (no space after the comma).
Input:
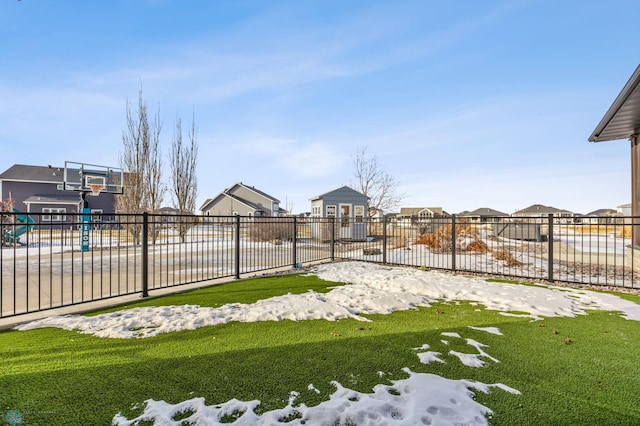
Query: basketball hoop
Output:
(96,188)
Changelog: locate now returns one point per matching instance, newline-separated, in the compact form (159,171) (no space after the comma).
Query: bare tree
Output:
(374,182)
(184,161)
(5,219)
(133,159)
(153,176)
(141,162)
(154,182)
(288,205)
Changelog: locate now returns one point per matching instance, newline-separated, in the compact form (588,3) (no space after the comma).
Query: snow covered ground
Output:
(371,289)
(596,243)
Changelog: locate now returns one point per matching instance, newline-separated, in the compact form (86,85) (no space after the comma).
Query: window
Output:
(345,215)
(53,214)
(316,211)
(96,215)
(331,211)
(359,211)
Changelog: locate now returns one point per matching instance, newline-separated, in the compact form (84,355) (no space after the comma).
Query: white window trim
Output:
(54,214)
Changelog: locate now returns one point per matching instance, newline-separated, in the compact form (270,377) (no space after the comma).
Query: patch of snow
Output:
(372,289)
(470,360)
(492,330)
(312,388)
(421,399)
(429,357)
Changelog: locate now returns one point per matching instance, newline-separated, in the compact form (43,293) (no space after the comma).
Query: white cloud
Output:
(294,158)
(314,161)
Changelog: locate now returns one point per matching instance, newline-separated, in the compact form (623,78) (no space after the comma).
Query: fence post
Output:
(384,239)
(453,242)
(550,249)
(145,254)
(237,253)
(332,233)
(295,242)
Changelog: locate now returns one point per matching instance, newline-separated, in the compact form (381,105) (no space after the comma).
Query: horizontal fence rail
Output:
(49,261)
(581,250)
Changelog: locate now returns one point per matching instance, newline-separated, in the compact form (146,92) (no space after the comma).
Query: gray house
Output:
(242,200)
(39,189)
(538,210)
(603,217)
(482,215)
(348,207)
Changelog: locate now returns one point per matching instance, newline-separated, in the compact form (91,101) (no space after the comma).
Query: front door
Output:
(345,221)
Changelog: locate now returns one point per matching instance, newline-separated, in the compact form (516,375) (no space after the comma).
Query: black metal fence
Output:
(581,250)
(48,262)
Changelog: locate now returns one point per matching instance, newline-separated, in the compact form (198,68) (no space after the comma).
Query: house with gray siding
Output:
(39,190)
(242,200)
(538,210)
(482,215)
(348,207)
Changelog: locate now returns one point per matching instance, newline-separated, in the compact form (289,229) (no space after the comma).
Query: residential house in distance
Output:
(624,209)
(40,189)
(482,215)
(411,215)
(242,200)
(349,208)
(167,215)
(602,217)
(538,210)
(376,215)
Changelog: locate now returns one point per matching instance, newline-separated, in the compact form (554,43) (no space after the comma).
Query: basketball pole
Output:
(85,222)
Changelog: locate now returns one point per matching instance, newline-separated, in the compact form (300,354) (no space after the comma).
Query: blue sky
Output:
(466,103)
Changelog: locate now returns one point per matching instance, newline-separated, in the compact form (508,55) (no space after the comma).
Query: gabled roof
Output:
(205,204)
(540,209)
(245,202)
(343,189)
(229,193)
(25,173)
(235,198)
(222,195)
(414,211)
(254,189)
(604,212)
(484,211)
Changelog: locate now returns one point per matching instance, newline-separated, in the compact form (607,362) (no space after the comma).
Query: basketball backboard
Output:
(85,177)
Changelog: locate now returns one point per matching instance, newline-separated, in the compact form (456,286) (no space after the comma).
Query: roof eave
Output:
(618,103)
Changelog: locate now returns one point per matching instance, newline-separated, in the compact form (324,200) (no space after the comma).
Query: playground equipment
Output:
(13,233)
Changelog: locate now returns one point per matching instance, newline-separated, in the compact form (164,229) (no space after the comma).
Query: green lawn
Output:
(570,371)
